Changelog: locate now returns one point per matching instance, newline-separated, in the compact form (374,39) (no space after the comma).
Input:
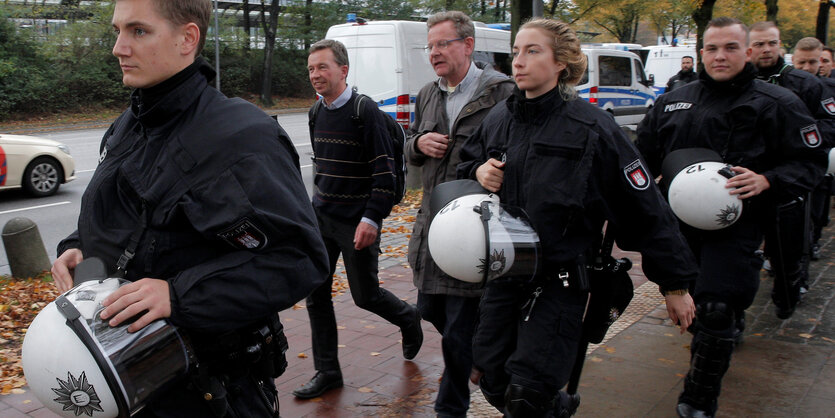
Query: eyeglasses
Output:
(441,44)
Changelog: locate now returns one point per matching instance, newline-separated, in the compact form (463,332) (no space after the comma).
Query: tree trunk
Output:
(822,28)
(554,4)
(635,30)
(771,11)
(702,16)
(520,11)
(247,25)
(269,44)
(308,23)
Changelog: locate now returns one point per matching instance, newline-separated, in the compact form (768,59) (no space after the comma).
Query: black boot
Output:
(525,402)
(566,404)
(710,358)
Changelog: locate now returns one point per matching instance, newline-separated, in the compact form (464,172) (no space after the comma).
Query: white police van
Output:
(615,82)
(389,64)
(664,61)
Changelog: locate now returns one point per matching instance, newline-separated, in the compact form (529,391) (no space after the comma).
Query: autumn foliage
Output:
(20,301)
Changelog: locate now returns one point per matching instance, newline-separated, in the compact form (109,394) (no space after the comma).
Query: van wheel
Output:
(42,177)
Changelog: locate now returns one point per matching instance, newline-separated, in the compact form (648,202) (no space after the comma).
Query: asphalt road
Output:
(56,215)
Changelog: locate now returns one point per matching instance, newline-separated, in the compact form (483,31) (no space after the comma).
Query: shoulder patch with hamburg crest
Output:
(811,136)
(829,105)
(637,175)
(244,235)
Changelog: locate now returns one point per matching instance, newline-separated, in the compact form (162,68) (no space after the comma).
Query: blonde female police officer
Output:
(571,168)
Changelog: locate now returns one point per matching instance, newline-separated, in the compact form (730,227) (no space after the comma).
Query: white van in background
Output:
(663,61)
(615,82)
(389,64)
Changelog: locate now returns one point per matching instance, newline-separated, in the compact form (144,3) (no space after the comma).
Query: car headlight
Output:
(64,148)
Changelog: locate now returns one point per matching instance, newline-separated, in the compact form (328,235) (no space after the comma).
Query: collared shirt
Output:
(460,95)
(339,102)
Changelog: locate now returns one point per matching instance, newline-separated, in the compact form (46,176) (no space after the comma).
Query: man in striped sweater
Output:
(354,191)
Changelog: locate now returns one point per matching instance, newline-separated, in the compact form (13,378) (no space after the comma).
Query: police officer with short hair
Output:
(826,63)
(571,168)
(788,244)
(766,133)
(684,76)
(809,56)
(199,202)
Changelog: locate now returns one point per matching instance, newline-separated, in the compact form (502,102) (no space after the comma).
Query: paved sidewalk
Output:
(783,369)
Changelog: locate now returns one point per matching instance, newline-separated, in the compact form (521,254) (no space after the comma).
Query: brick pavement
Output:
(784,368)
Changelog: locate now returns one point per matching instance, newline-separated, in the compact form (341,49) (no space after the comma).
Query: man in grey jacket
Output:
(447,112)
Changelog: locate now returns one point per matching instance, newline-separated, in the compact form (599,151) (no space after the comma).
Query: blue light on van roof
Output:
(352,17)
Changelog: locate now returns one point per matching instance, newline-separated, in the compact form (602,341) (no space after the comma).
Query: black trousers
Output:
(728,263)
(247,397)
(455,318)
(537,353)
(821,201)
(787,245)
(361,268)
(726,286)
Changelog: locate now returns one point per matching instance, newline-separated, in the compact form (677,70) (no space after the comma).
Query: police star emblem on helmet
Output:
(495,265)
(727,215)
(77,395)
(614,314)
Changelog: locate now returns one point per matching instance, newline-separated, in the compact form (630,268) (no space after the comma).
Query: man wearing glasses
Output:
(447,112)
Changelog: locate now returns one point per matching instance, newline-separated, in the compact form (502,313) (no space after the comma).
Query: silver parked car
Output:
(38,165)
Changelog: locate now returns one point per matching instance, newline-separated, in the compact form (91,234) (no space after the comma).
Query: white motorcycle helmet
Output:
(76,364)
(696,191)
(473,239)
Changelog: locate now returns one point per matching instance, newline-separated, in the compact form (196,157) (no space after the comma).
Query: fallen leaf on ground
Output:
(374,353)
(805,335)
(301,355)
(364,390)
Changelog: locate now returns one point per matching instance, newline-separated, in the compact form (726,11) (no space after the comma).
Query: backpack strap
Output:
(357,117)
(311,117)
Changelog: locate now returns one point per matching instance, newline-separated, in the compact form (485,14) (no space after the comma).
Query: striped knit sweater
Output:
(354,170)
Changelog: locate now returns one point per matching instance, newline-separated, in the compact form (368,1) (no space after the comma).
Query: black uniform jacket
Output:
(814,93)
(230,226)
(570,167)
(750,123)
(683,76)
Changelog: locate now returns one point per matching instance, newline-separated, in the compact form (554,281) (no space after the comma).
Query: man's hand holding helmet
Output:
(491,175)
(62,267)
(148,299)
(747,183)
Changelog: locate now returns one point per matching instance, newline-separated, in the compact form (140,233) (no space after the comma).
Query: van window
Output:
(639,72)
(614,71)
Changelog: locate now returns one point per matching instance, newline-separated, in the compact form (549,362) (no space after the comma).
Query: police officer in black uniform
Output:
(571,168)
(768,136)
(199,202)
(684,76)
(788,243)
(808,56)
